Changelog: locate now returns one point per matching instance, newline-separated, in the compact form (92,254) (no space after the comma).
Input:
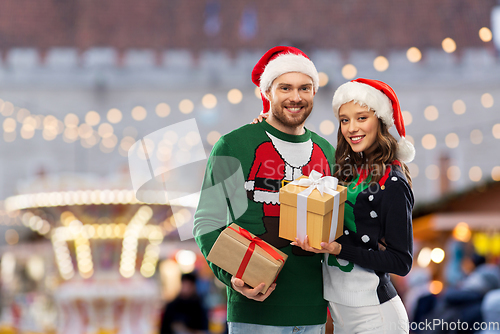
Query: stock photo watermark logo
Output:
(167,167)
(457,325)
(438,325)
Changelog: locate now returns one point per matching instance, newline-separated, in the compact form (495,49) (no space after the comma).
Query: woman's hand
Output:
(260,118)
(331,248)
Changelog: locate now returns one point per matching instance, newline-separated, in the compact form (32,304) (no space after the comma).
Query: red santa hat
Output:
(380,97)
(280,60)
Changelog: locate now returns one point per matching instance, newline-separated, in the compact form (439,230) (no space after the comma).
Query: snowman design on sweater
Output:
(276,163)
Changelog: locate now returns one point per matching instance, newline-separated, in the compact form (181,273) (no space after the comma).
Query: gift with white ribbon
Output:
(324,184)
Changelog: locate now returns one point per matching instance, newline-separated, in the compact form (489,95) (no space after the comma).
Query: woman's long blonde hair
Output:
(349,161)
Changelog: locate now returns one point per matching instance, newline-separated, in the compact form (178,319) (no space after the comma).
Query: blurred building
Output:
(145,58)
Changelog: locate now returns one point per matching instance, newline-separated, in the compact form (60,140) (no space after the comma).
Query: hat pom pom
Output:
(406,150)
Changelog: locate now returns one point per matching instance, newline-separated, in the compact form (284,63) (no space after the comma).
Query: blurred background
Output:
(81,81)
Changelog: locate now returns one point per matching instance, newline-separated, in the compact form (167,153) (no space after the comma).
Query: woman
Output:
(377,238)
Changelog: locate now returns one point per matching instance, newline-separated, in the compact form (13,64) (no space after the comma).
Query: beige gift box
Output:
(319,214)
(231,249)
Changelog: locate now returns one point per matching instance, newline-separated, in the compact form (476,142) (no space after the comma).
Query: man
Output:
(269,154)
(185,314)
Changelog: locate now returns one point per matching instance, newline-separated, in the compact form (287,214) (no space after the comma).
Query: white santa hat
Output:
(280,60)
(380,97)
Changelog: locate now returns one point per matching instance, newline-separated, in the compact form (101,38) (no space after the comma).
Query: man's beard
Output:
(289,119)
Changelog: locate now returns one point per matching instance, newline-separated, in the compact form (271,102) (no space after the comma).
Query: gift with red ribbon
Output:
(247,257)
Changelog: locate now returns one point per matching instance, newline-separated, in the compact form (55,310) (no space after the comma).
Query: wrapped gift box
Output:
(319,213)
(232,252)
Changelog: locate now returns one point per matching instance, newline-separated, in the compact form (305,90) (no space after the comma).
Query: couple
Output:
(352,277)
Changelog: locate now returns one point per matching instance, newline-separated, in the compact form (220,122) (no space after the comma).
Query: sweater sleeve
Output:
(396,209)
(214,207)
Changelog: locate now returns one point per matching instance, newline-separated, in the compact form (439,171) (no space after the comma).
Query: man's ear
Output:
(268,94)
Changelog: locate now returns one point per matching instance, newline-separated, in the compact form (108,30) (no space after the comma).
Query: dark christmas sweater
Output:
(266,159)
(374,213)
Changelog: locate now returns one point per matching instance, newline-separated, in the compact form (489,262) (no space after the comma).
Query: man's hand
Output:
(331,248)
(247,291)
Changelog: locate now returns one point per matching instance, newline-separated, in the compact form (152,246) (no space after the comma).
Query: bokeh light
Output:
(85,130)
(186,106)
(92,118)
(209,101)
(381,64)
(487,100)
(349,71)
(256,92)
(234,96)
(437,255)
(105,130)
(7,109)
(27,132)
(139,113)
(485,34)
(424,257)
(429,141)
(69,135)
(459,107)
(431,113)
(326,127)
(414,170)
(449,45)
(162,109)
(414,55)
(114,115)
(9,125)
(432,172)
(496,131)
(453,173)
(11,237)
(451,140)
(323,79)
(462,232)
(435,287)
(495,173)
(71,120)
(212,137)
(475,173)
(476,137)
(407,117)
(22,114)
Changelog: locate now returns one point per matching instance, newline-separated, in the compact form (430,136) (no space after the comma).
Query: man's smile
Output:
(294,109)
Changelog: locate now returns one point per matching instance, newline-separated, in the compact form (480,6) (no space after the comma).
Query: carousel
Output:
(106,245)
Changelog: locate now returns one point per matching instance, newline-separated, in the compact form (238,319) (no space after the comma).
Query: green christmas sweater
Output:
(374,213)
(246,169)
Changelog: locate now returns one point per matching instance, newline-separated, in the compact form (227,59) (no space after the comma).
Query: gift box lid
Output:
(317,203)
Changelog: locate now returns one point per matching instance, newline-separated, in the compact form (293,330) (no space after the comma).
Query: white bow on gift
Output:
(316,180)
(324,184)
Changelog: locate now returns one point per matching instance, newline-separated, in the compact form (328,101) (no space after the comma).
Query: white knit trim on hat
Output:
(364,95)
(405,151)
(285,63)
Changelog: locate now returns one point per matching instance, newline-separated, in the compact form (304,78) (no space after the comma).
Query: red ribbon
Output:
(253,241)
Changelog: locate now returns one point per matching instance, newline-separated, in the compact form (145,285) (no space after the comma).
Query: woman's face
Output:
(359,126)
